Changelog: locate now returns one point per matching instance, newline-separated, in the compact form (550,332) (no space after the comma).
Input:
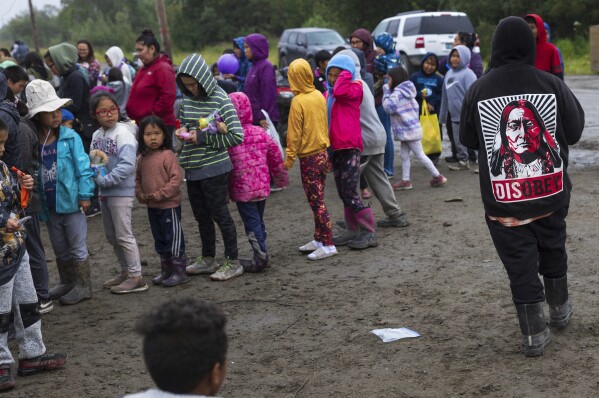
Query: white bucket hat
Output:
(41,97)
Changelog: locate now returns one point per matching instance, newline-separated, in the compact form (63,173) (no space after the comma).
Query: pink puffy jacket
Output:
(254,159)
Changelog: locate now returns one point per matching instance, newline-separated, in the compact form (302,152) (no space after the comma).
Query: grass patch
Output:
(212,52)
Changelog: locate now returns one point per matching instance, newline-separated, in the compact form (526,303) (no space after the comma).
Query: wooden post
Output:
(33,27)
(165,36)
(594,47)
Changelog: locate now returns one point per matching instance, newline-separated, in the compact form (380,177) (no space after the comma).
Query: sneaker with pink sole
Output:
(402,185)
(438,181)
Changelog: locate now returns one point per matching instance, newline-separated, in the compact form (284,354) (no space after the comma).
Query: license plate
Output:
(449,46)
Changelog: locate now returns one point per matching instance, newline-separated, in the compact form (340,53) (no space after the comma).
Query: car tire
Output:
(405,61)
(283,63)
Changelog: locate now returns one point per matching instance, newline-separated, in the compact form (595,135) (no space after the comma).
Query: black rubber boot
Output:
(82,290)
(165,270)
(535,332)
(178,275)
(560,306)
(66,273)
(257,264)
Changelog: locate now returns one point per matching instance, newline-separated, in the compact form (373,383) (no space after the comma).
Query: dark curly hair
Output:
(182,341)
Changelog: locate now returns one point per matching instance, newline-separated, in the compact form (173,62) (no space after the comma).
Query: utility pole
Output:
(34,27)
(165,36)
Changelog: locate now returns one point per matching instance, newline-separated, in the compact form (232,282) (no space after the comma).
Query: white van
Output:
(417,32)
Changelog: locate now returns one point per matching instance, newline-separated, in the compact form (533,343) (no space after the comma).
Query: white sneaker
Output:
(202,265)
(322,252)
(230,269)
(310,247)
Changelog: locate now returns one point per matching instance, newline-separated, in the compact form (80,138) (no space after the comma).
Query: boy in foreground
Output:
(185,348)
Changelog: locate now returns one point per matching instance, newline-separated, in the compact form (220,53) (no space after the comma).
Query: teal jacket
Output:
(209,157)
(73,175)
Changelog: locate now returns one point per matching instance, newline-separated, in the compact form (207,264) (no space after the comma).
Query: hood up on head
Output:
(259,46)
(242,105)
(365,36)
(513,43)
(342,62)
(195,66)
(115,55)
(238,42)
(427,55)
(64,56)
(541,32)
(464,53)
(301,79)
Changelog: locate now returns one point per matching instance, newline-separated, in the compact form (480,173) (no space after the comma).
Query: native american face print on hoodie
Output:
(524,157)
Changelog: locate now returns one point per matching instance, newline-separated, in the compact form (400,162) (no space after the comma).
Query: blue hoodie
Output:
(244,63)
(433,84)
(457,81)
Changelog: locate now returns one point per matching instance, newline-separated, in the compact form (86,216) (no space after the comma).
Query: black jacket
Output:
(521,120)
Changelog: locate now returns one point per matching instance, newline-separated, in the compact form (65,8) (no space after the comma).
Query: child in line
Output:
(184,349)
(399,100)
(17,293)
(308,140)
(66,194)
(254,160)
(343,105)
(117,191)
(207,165)
(261,83)
(457,81)
(321,59)
(429,86)
(158,179)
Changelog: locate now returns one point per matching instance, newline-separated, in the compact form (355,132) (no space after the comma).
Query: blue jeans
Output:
(252,215)
(389,149)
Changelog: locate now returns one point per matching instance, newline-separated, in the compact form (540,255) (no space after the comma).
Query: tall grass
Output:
(212,52)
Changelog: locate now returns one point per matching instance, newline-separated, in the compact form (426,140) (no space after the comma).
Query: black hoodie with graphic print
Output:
(521,120)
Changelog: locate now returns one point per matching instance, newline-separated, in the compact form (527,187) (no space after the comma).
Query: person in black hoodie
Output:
(525,205)
(10,116)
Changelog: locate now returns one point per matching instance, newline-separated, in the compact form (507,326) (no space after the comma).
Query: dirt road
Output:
(302,329)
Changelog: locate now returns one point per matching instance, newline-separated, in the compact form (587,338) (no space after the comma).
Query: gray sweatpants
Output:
(116,216)
(380,185)
(19,296)
(67,235)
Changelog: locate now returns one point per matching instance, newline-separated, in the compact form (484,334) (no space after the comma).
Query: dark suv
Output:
(305,42)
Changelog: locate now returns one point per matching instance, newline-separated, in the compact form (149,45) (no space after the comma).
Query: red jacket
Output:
(153,92)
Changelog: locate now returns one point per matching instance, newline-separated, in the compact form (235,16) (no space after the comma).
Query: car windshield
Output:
(325,37)
(445,24)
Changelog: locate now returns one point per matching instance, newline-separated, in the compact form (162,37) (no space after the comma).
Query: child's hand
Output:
(264,124)
(186,136)
(229,76)
(25,181)
(222,127)
(84,205)
(431,108)
(12,225)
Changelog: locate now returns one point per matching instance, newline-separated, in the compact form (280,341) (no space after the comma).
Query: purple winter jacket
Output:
(255,159)
(260,82)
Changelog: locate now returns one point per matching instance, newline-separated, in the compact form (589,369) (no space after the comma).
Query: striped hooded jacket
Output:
(210,158)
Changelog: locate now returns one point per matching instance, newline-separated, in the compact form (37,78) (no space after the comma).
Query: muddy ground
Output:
(302,328)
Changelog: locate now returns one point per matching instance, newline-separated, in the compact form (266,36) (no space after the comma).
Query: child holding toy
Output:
(207,165)
(117,190)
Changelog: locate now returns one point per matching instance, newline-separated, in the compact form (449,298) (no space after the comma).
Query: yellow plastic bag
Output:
(431,134)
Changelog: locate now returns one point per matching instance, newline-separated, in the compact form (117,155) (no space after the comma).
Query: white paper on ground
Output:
(388,334)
